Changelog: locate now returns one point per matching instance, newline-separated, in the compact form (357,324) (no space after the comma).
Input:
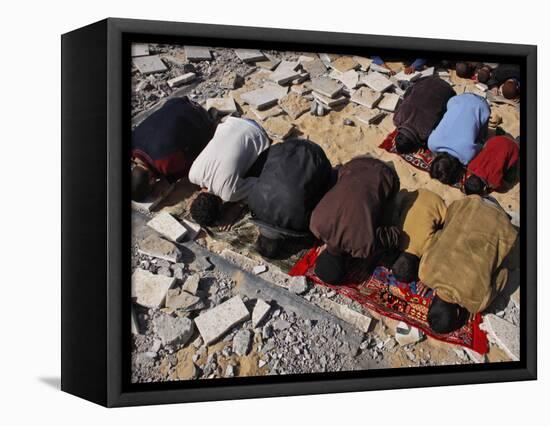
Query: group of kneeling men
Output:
(356,210)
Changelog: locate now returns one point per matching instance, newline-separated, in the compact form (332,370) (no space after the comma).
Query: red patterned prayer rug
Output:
(421,159)
(380,291)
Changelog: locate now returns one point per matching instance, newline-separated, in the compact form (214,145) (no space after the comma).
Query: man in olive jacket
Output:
(465,264)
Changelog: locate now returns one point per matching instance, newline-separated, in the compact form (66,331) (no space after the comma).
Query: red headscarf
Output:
(497,156)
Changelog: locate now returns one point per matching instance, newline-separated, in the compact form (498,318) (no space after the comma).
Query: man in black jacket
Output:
(295,176)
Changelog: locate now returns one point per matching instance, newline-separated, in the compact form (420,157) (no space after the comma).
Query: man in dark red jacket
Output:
(167,142)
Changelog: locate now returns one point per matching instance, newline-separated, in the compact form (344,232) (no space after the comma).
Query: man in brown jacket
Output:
(349,217)
(420,215)
(464,265)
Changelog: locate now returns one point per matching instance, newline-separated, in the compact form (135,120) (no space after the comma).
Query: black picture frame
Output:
(96,219)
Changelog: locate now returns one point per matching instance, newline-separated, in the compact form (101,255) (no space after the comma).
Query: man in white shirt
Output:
(222,168)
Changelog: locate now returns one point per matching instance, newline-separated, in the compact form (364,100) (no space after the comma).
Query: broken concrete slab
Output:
(173,330)
(241,342)
(191,284)
(165,224)
(407,335)
(192,228)
(270,63)
(179,299)
(197,53)
(223,105)
(182,79)
(273,274)
(329,102)
(259,312)
(328,58)
(297,285)
(278,127)
(249,55)
(149,64)
(314,68)
(260,98)
(301,89)
(344,63)
(363,62)
(358,320)
(402,76)
(370,116)
(326,86)
(285,72)
(265,114)
(303,77)
(366,97)
(230,81)
(504,334)
(350,79)
(215,322)
(139,49)
(294,105)
(160,248)
(149,289)
(379,68)
(377,82)
(388,102)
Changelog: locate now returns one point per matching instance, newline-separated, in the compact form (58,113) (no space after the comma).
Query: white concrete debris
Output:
(223,105)
(191,284)
(249,55)
(406,334)
(297,285)
(215,322)
(160,248)
(150,290)
(369,116)
(366,97)
(139,49)
(181,79)
(193,228)
(259,312)
(377,81)
(165,224)
(379,68)
(179,299)
(402,76)
(358,320)
(173,330)
(197,53)
(241,342)
(503,333)
(149,64)
(388,102)
(259,269)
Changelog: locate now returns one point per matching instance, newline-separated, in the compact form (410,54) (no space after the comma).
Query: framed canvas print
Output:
(252,212)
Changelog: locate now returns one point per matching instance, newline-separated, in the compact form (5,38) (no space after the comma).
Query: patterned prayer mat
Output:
(421,159)
(379,291)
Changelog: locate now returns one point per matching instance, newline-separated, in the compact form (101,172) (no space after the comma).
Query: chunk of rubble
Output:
(379,68)
(388,102)
(230,81)
(160,248)
(294,105)
(259,269)
(215,322)
(329,102)
(366,97)
(197,53)
(344,63)
(173,330)
(165,224)
(223,105)
(261,98)
(191,284)
(241,342)
(249,55)
(259,312)
(314,68)
(377,82)
(192,228)
(139,49)
(179,299)
(297,285)
(301,89)
(350,79)
(402,76)
(149,64)
(369,116)
(270,63)
(358,320)
(285,72)
(149,289)
(278,127)
(427,72)
(503,333)
(407,335)
(363,62)
(268,113)
(326,86)
(181,79)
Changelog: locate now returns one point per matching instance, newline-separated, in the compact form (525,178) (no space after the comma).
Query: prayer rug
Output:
(379,291)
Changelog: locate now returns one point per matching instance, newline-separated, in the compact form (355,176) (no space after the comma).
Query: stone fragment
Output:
(278,127)
(503,333)
(388,102)
(192,228)
(259,312)
(301,89)
(260,98)
(160,248)
(329,102)
(197,53)
(280,324)
(173,330)
(265,114)
(139,49)
(167,226)
(326,87)
(241,342)
(149,64)
(308,57)
(297,285)
(181,79)
(230,81)
(406,335)
(285,72)
(314,68)
(191,284)
(270,63)
(379,68)
(294,105)
(402,76)
(303,77)
(249,55)
(223,105)
(259,269)
(370,116)
(328,58)
(215,322)
(176,299)
(344,63)
(377,81)
(363,62)
(150,290)
(358,320)
(366,97)
(350,79)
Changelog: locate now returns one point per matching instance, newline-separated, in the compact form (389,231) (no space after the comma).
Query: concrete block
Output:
(297,285)
(270,63)
(197,53)
(377,81)
(326,86)
(180,80)
(215,322)
(271,112)
(192,228)
(329,102)
(230,81)
(139,49)
(407,335)
(223,105)
(241,342)
(307,58)
(285,72)
(301,89)
(178,299)
(401,76)
(344,63)
(358,320)
(350,79)
(260,98)
(363,62)
(366,97)
(388,102)
(328,58)
(294,105)
(314,68)
(160,248)
(150,290)
(249,55)
(369,116)
(259,312)
(278,127)
(379,68)
(278,90)
(149,64)
(503,333)
(173,330)
(167,226)
(191,284)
